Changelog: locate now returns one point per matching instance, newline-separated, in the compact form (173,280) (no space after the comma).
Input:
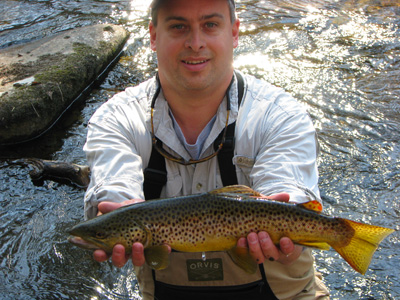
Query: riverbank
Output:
(40,80)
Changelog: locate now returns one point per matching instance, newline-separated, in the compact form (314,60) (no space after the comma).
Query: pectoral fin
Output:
(242,258)
(157,257)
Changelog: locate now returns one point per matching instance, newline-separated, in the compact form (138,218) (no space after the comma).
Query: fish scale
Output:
(214,221)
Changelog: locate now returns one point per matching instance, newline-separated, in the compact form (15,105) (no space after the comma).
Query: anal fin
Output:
(317,245)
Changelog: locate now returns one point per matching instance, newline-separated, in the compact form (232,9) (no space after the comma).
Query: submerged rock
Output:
(40,80)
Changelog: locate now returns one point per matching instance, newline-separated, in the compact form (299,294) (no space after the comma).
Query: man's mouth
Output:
(194,62)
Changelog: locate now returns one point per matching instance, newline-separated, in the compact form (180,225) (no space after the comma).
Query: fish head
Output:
(104,233)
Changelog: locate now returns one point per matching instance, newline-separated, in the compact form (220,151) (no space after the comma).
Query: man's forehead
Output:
(166,7)
(157,3)
(169,10)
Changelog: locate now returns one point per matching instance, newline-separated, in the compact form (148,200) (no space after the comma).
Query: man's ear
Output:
(152,29)
(235,33)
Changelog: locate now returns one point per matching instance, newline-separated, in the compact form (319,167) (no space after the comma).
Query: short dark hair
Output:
(155,6)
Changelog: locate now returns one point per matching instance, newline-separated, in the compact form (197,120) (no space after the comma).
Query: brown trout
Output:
(214,221)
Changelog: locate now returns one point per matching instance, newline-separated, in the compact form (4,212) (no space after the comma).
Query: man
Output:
(186,107)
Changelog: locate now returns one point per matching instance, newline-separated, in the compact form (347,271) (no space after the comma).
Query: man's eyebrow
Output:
(175,18)
(214,15)
(205,17)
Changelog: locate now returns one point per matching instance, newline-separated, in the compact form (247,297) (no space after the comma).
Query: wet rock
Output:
(39,81)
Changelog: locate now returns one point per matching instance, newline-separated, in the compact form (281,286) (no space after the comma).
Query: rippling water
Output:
(340,58)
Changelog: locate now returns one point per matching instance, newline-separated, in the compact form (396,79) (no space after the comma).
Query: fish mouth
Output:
(80,242)
(88,244)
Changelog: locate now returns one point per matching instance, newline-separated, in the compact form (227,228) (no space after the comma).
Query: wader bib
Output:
(215,277)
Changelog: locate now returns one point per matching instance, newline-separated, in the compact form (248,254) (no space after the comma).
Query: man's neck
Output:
(194,109)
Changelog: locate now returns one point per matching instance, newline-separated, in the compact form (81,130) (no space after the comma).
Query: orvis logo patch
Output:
(209,269)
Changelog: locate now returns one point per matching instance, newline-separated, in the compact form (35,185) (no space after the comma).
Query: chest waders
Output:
(155,177)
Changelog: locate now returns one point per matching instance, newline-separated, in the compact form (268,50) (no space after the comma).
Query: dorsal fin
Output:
(236,189)
(313,205)
(242,190)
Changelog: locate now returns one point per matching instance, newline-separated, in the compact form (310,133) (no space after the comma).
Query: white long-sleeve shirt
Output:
(275,146)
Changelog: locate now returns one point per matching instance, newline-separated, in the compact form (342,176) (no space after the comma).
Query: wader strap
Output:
(155,175)
(240,87)
(225,156)
(226,167)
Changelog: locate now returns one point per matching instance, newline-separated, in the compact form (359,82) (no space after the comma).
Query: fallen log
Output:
(57,171)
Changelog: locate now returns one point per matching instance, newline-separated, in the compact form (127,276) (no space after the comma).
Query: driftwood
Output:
(58,171)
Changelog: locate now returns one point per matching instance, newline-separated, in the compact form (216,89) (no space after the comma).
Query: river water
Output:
(340,58)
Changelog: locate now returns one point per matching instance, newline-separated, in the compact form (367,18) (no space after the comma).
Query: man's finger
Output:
(138,254)
(242,243)
(99,255)
(106,206)
(289,251)
(286,246)
(119,258)
(254,247)
(283,197)
(268,248)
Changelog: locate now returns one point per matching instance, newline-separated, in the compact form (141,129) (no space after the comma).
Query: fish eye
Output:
(100,235)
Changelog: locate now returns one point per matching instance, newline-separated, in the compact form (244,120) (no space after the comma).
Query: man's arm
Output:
(116,148)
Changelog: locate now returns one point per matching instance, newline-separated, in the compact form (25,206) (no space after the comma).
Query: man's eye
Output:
(211,25)
(178,27)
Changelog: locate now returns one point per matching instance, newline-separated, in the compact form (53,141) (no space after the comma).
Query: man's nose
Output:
(195,40)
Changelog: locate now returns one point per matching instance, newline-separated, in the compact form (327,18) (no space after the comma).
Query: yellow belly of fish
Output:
(208,244)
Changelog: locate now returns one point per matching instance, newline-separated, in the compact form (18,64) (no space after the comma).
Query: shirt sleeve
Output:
(287,157)
(276,148)
(116,137)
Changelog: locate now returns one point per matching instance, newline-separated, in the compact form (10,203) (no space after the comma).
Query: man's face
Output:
(194,41)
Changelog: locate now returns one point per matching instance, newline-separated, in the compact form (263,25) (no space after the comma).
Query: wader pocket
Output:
(190,277)
(256,290)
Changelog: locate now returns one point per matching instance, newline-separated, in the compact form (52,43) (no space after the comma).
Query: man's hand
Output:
(261,246)
(119,257)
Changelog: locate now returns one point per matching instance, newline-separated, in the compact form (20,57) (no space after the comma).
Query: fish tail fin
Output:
(361,247)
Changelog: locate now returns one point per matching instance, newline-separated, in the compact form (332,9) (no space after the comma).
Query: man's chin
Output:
(196,82)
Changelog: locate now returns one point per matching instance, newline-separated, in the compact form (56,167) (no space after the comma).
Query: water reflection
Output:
(340,58)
